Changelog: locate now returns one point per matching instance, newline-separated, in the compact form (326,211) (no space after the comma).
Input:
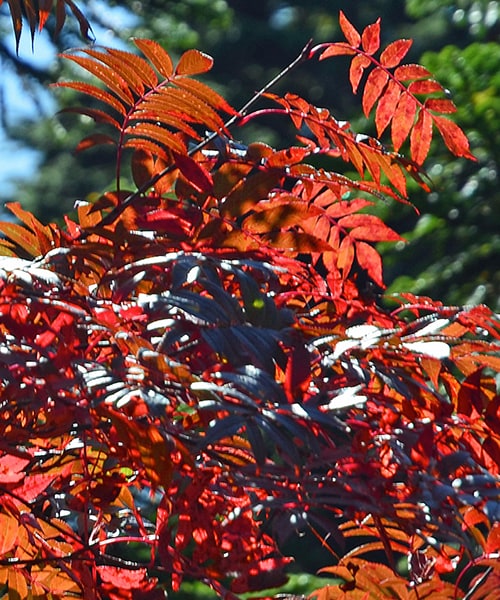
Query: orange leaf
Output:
(348,29)
(8,533)
(394,53)
(358,66)
(158,134)
(375,84)
(158,57)
(403,119)
(454,138)
(421,136)
(193,62)
(370,39)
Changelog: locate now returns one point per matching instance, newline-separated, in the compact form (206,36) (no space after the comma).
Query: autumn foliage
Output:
(202,361)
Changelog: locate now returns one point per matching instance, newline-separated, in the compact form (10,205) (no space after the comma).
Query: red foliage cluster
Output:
(193,368)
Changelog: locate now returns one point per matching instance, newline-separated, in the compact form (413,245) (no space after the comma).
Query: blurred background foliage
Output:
(452,244)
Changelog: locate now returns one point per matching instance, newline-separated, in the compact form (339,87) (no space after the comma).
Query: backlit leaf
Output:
(358,65)
(159,58)
(370,38)
(403,120)
(394,53)
(8,533)
(387,106)
(441,105)
(348,29)
(454,138)
(374,87)
(425,86)
(193,62)
(421,137)
(411,71)
(370,260)
(96,139)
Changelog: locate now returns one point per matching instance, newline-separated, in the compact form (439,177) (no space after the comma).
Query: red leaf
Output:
(369,260)
(421,137)
(298,371)
(387,106)
(193,62)
(454,138)
(394,53)
(348,29)
(337,49)
(358,66)
(369,228)
(403,119)
(425,86)
(12,468)
(441,105)
(196,175)
(122,578)
(409,72)
(375,84)
(345,256)
(370,38)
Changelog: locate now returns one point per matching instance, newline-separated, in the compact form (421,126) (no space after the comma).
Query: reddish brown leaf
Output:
(193,62)
(421,137)
(374,88)
(454,138)
(356,70)
(387,106)
(394,53)
(403,120)
(370,38)
(348,29)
